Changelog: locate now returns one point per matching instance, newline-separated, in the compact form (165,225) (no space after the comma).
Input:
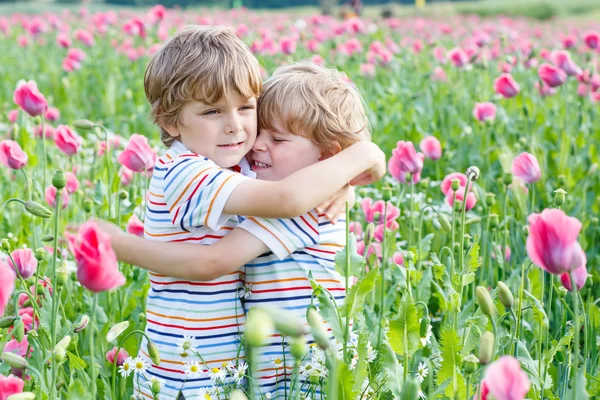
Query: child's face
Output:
(222,132)
(277,154)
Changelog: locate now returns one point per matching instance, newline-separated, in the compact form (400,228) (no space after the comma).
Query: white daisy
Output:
(427,339)
(422,372)
(184,345)
(240,372)
(217,374)
(278,362)
(192,369)
(230,367)
(371,352)
(161,382)
(140,365)
(421,394)
(126,368)
(245,291)
(268,396)
(206,393)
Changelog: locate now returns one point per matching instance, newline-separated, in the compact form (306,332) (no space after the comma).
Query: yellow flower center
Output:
(278,361)
(139,365)
(194,368)
(126,366)
(207,396)
(224,365)
(215,370)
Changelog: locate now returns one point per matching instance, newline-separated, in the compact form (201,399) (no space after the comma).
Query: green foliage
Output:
(404,331)
(356,260)
(450,368)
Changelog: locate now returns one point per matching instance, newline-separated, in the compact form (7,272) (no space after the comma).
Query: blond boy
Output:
(202,86)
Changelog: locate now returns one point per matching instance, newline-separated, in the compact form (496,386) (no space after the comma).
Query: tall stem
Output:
(92,331)
(43,153)
(55,293)
(347,273)
(576,341)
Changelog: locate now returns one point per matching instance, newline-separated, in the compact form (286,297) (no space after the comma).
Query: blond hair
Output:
(314,102)
(202,63)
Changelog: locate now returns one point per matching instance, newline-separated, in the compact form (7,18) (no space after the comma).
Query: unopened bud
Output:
(473,173)
(486,348)
(155,387)
(87,205)
(153,352)
(59,180)
(7,322)
(286,323)
(83,124)
(505,296)
(40,254)
(444,222)
(81,323)
(35,208)
(410,389)
(19,329)
(22,396)
(5,244)
(470,364)
(62,276)
(298,347)
(424,328)
(387,194)
(116,330)
(259,326)
(14,360)
(314,378)
(376,216)
(490,199)
(60,354)
(507,179)
(48,238)
(494,221)
(369,234)
(484,300)
(123,194)
(64,342)
(562,180)
(237,394)
(526,229)
(559,197)
(317,328)
(455,184)
(410,256)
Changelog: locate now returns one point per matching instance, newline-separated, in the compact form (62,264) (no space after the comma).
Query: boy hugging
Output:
(262,234)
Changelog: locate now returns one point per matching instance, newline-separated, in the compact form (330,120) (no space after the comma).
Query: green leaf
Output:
(328,310)
(356,260)
(450,369)
(76,362)
(46,318)
(360,372)
(580,383)
(425,246)
(346,380)
(538,310)
(77,391)
(424,288)
(355,300)
(474,256)
(404,331)
(392,368)
(467,278)
(563,343)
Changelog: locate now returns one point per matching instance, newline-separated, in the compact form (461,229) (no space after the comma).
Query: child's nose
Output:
(260,144)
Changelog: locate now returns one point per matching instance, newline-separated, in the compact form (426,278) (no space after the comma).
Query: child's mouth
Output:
(257,165)
(232,146)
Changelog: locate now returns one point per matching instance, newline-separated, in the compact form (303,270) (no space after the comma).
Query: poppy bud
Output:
(317,327)
(37,209)
(486,348)
(153,352)
(59,180)
(559,197)
(505,296)
(14,360)
(470,364)
(484,300)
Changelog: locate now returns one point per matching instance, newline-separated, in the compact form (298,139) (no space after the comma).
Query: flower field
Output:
(471,268)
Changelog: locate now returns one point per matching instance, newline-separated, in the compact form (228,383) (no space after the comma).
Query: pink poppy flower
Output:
(29,98)
(526,167)
(11,155)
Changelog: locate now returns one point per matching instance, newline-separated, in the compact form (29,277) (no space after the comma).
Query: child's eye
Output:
(210,112)
(278,140)
(247,107)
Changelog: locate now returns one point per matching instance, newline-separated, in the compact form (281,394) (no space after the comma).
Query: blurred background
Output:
(537,9)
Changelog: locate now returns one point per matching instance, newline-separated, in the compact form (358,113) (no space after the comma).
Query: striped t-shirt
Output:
(185,203)
(279,279)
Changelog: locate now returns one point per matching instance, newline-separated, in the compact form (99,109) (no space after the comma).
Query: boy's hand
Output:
(378,165)
(108,227)
(335,206)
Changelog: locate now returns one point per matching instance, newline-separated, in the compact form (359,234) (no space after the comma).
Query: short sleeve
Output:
(284,236)
(196,190)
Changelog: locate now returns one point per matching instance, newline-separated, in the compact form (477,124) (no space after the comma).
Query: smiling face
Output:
(223,132)
(277,154)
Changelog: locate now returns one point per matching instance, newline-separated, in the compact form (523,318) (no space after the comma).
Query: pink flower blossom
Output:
(356,228)
(505,379)
(126,175)
(551,75)
(367,70)
(72,182)
(580,278)
(26,263)
(18,348)
(592,39)
(398,258)
(137,156)
(485,111)
(458,57)
(135,226)
(11,155)
(97,263)
(374,212)
(439,74)
(562,59)
(10,385)
(526,167)
(552,242)
(374,248)
(52,114)
(13,115)
(431,147)
(446,185)
(407,158)
(29,98)
(460,196)
(67,140)
(506,86)
(110,356)
(7,284)
(50,196)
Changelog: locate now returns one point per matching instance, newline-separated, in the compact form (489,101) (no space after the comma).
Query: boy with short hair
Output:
(308,113)
(202,86)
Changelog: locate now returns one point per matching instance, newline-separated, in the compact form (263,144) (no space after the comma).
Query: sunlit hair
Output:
(315,102)
(209,64)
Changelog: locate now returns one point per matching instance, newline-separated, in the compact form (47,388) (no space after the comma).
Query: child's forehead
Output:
(229,100)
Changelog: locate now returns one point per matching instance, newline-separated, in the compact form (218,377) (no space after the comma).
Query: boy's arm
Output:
(186,260)
(305,189)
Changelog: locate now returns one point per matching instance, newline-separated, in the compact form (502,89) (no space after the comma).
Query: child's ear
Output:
(170,129)
(333,148)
